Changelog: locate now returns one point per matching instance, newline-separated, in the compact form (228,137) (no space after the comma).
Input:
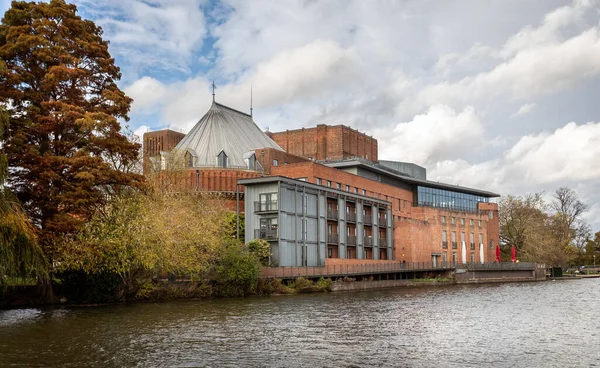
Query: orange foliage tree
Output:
(59,87)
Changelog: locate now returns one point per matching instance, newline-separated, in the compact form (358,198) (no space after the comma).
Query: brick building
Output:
(342,195)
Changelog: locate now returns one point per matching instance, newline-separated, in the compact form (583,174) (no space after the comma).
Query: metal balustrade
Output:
(270,206)
(365,269)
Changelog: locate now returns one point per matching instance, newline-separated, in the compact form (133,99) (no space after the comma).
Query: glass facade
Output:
(451,200)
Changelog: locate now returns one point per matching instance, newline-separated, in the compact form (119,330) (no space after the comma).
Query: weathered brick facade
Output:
(326,142)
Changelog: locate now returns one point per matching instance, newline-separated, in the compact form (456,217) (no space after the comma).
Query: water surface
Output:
(547,324)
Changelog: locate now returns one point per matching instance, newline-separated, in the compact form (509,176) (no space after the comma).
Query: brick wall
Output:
(267,157)
(157,141)
(417,230)
(327,142)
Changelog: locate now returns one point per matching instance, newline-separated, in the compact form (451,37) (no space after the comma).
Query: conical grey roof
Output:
(224,129)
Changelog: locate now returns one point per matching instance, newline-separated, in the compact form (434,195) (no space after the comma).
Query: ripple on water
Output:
(510,325)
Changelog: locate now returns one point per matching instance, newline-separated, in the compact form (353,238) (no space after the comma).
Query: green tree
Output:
(64,134)
(592,249)
(20,254)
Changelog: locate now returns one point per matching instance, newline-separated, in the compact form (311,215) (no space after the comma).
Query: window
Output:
(453,221)
(329,183)
(305,229)
(337,185)
(462,237)
(347,188)
(462,222)
(491,215)
(480,238)
(444,239)
(268,228)
(479,223)
(364,192)
(275,162)
(222,159)
(454,240)
(445,257)
(472,257)
(356,190)
(471,223)
(454,258)
(329,252)
(434,197)
(492,246)
(267,202)
(443,220)
(472,240)
(319,181)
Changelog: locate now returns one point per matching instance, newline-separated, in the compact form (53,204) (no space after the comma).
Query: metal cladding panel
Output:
(287,200)
(286,253)
(312,204)
(287,230)
(228,130)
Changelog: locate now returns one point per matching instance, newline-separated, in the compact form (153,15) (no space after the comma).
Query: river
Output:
(546,324)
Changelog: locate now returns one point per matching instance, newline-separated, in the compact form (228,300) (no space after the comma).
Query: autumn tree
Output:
(64,106)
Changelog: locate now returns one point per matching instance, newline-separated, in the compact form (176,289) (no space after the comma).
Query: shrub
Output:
(237,271)
(261,249)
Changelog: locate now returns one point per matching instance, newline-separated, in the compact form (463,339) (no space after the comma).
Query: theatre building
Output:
(318,194)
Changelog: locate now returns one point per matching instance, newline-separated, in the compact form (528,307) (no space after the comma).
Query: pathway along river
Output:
(547,324)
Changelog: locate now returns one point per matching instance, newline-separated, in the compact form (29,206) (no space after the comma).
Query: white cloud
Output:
(150,33)
(567,155)
(431,137)
(523,110)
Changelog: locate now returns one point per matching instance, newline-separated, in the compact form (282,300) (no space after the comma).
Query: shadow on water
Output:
(550,324)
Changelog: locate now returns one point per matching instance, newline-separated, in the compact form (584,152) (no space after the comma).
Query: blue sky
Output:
(499,94)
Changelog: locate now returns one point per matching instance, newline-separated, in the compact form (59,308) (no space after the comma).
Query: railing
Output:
(382,222)
(367,219)
(351,240)
(500,266)
(368,241)
(271,234)
(382,242)
(350,217)
(333,238)
(454,245)
(332,214)
(445,245)
(270,206)
(352,269)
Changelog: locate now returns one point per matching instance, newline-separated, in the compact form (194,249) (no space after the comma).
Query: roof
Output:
(408,179)
(224,129)
(285,179)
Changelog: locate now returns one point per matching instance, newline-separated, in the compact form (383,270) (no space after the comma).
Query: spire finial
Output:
(213,88)
(250,100)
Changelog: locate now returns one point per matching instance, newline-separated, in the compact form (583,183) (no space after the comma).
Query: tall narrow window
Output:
(222,159)
(480,238)
(443,220)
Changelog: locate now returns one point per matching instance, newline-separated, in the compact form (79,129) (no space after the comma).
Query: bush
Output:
(261,249)
(303,285)
(237,271)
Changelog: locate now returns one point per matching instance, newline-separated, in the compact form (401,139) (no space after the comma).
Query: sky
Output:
(499,95)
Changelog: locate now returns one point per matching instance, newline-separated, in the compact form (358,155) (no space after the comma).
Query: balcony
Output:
(266,206)
(445,245)
(351,240)
(270,234)
(382,242)
(368,219)
(368,241)
(382,221)
(332,214)
(454,245)
(333,238)
(351,216)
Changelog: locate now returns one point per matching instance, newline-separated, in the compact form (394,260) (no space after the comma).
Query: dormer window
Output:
(188,159)
(222,159)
